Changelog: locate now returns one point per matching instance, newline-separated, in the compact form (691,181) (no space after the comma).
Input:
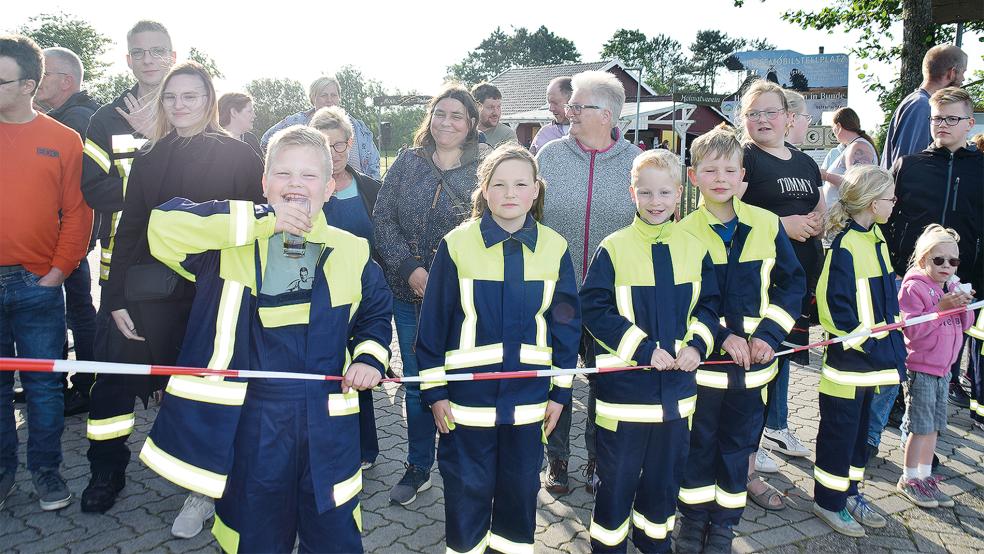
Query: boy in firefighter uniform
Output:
(281,455)
(761,284)
(856,291)
(649,298)
(501,295)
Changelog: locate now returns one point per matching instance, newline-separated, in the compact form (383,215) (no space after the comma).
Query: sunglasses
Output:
(939,260)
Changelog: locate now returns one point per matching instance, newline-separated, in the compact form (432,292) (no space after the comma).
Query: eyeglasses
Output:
(12,81)
(893,199)
(939,260)
(806,116)
(950,120)
(757,115)
(340,147)
(576,108)
(187,98)
(157,52)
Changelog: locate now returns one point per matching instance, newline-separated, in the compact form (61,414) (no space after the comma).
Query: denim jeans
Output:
(881,406)
(32,325)
(80,315)
(777,412)
(421,430)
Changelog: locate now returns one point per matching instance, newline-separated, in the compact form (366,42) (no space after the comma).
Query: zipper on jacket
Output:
(587,218)
(956,194)
(946,200)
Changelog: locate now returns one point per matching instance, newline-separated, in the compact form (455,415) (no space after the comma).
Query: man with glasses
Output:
(44,232)
(944,184)
(116,132)
(61,94)
(490,110)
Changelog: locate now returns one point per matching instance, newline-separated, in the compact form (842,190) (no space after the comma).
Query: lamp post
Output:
(638,94)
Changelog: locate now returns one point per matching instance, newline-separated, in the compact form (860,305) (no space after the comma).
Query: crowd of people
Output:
(219,250)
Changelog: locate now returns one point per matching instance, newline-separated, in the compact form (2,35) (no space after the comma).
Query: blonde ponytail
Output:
(861,187)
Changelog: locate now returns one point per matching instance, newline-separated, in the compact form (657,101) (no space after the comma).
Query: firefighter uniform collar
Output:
(874,234)
(492,234)
(653,233)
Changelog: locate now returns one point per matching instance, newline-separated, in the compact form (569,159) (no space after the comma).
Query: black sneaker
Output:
(718,540)
(590,472)
(414,481)
(958,397)
(53,493)
(100,495)
(691,536)
(557,482)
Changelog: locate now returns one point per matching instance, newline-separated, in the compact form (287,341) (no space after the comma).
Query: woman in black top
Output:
(787,182)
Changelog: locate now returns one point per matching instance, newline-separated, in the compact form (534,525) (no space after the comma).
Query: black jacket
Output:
(209,166)
(75,112)
(368,188)
(939,186)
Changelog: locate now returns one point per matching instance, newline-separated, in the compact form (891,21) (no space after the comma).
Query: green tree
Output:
(758,44)
(357,93)
(74,33)
(709,51)
(111,87)
(275,99)
(661,57)
(500,51)
(207,62)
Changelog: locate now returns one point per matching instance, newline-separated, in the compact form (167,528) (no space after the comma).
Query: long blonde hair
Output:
(932,234)
(507,151)
(862,185)
(210,119)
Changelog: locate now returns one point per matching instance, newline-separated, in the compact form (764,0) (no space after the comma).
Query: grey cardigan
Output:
(577,179)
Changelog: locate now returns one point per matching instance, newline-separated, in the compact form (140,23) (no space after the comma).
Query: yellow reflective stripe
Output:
(357,515)
(470,322)
(347,489)
(109,428)
(831,481)
(698,495)
(712,379)
(506,546)
(472,357)
(687,406)
(729,499)
(563,381)
(609,537)
(694,296)
(106,255)
(529,413)
(856,473)
(701,330)
(535,355)
(207,389)
(766,280)
(653,529)
(182,473)
(541,322)
(343,404)
(977,408)
(97,155)
(761,377)
(780,316)
(226,536)
(856,342)
(473,417)
(478,549)
(433,372)
(282,316)
(609,360)
(623,300)
(866,379)
(240,212)
(629,343)
(227,317)
(977,331)
(637,413)
(373,349)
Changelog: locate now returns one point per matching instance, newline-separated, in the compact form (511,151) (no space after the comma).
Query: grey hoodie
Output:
(578,178)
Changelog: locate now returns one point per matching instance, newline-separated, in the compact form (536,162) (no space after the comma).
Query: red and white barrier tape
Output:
(66,366)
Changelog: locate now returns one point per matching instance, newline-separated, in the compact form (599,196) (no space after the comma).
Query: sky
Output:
(409,45)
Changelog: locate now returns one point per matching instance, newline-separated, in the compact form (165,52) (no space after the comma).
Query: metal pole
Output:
(959,39)
(638,95)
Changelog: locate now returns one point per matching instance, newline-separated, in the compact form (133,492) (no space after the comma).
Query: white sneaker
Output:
(785,441)
(764,463)
(191,519)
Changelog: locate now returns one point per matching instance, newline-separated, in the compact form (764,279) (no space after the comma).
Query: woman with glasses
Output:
(426,194)
(785,181)
(188,156)
(857,149)
(350,208)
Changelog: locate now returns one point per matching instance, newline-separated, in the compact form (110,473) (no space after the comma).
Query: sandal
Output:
(765,499)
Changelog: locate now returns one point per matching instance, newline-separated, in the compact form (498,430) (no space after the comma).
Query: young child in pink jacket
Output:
(929,286)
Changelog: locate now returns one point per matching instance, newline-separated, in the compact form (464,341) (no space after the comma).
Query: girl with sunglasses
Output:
(930,285)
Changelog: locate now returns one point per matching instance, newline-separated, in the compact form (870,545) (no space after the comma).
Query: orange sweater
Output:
(44,220)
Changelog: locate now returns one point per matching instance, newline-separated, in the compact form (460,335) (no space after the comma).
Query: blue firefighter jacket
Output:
(762,286)
(499,302)
(222,247)
(857,291)
(648,287)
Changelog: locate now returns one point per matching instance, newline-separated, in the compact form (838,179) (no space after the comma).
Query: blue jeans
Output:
(32,325)
(881,406)
(79,312)
(777,412)
(421,429)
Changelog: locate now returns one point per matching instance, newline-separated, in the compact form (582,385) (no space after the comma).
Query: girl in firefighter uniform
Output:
(280,455)
(649,298)
(500,296)
(856,292)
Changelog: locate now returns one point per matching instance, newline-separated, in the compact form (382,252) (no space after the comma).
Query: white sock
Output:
(925,470)
(910,473)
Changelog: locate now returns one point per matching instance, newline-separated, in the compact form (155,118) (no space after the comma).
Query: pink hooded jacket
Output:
(933,346)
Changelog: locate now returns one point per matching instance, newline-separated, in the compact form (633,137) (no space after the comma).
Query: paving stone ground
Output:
(141,519)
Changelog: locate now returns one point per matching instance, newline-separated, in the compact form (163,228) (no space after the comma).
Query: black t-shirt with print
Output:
(786,187)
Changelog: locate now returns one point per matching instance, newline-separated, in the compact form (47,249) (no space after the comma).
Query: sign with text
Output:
(698,98)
